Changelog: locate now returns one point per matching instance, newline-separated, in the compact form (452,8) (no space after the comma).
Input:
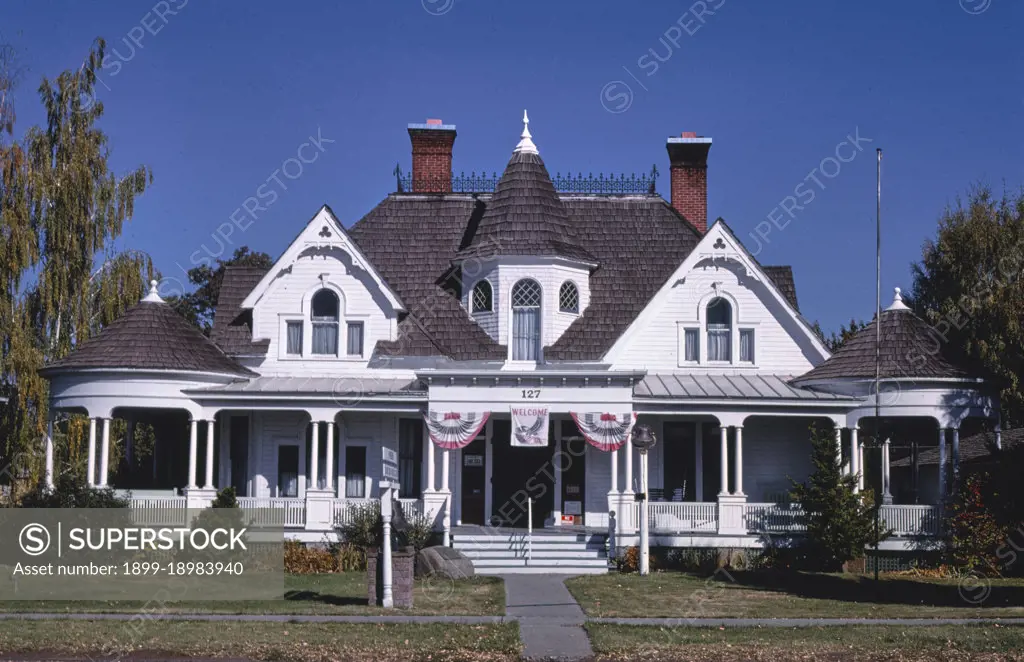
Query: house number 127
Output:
(531,393)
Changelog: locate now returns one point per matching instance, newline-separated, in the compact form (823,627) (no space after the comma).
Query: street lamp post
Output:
(644,440)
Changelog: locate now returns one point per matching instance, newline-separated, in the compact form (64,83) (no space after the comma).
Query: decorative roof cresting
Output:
(526,145)
(154,295)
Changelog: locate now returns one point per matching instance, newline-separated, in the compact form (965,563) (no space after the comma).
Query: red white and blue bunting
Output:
(530,426)
(605,431)
(452,430)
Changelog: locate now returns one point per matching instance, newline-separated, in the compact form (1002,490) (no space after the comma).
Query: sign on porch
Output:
(530,426)
(389,467)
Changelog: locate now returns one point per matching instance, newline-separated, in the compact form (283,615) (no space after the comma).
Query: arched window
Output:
(719,330)
(569,298)
(526,299)
(482,300)
(324,316)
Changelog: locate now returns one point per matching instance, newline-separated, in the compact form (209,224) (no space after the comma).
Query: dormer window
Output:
(324,316)
(482,300)
(526,298)
(719,316)
(569,298)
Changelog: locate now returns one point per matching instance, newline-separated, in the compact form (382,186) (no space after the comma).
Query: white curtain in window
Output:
(692,350)
(295,337)
(325,338)
(355,486)
(525,334)
(746,345)
(719,342)
(355,338)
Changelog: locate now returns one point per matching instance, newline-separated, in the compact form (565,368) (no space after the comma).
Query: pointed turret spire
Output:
(526,145)
(154,294)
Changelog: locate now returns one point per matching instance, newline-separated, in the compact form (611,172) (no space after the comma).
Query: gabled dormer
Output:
(524,272)
(322,306)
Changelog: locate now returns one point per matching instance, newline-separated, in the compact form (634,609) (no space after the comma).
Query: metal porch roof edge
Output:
(667,386)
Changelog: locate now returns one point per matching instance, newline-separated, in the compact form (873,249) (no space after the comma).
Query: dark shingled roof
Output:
(149,336)
(783,279)
(232,327)
(909,348)
(525,216)
(973,449)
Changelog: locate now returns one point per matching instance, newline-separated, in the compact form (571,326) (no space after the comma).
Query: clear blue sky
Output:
(225,92)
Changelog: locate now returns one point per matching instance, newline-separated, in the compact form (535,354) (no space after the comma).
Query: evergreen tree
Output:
(839,522)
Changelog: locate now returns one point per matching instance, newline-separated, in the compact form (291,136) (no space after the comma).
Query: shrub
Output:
(349,558)
(364,527)
(72,491)
(975,536)
(840,523)
(302,560)
(419,532)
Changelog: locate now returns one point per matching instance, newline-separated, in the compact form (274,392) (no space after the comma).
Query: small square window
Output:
(747,345)
(355,339)
(691,341)
(295,338)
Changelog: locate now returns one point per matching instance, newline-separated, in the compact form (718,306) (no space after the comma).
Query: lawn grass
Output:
(259,641)
(860,642)
(341,593)
(796,595)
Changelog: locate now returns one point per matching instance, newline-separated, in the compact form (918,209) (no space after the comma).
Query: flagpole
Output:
(878,336)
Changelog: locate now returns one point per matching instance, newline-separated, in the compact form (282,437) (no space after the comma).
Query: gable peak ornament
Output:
(719,244)
(525,145)
(325,232)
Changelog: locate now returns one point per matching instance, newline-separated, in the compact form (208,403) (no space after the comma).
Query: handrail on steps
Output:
(529,530)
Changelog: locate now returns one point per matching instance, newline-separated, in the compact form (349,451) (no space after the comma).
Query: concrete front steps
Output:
(506,552)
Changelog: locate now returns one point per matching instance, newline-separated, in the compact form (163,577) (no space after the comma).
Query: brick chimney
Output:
(432,156)
(688,155)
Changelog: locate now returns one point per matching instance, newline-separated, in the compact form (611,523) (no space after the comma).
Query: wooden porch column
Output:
(209,455)
(614,455)
(193,443)
(105,452)
(431,469)
(627,449)
(698,460)
(445,470)
(739,461)
(839,448)
(942,463)
(314,462)
(855,467)
(886,475)
(860,465)
(956,458)
(90,470)
(330,468)
(723,436)
(49,451)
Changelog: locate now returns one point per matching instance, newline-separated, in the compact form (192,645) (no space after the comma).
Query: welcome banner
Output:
(452,430)
(605,431)
(530,426)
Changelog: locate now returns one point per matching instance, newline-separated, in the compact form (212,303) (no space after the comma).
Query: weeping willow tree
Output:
(61,281)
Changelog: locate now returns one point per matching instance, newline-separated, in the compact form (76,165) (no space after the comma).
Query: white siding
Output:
(360,299)
(599,482)
(774,450)
(781,344)
(270,429)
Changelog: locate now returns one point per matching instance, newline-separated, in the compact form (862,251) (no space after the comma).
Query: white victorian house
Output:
(502,338)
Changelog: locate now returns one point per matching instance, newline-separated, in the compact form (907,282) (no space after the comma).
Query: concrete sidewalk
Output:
(550,620)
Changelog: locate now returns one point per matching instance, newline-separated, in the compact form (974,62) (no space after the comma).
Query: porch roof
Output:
(731,387)
(342,387)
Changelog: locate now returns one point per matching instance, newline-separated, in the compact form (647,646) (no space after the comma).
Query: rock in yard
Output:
(443,561)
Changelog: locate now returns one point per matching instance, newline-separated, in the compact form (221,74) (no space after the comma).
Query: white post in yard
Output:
(387,600)
(49,451)
(645,525)
(105,452)
(91,468)
(193,450)
(209,455)
(446,522)
(329,469)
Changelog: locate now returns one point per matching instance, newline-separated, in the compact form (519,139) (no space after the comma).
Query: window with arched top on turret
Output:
(482,298)
(569,298)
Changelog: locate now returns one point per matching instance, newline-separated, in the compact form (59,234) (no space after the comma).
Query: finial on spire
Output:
(154,295)
(526,143)
(897,301)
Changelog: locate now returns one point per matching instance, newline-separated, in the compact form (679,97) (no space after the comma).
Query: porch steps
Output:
(508,552)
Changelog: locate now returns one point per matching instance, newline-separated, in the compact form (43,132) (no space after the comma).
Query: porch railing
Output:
(680,516)
(286,512)
(345,508)
(773,518)
(911,520)
(159,511)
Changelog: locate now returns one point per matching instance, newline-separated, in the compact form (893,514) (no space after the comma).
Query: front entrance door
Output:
(473,481)
(574,475)
(519,474)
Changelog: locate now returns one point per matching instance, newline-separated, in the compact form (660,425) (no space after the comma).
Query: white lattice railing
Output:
(286,512)
(159,511)
(344,508)
(680,516)
(773,518)
(911,520)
